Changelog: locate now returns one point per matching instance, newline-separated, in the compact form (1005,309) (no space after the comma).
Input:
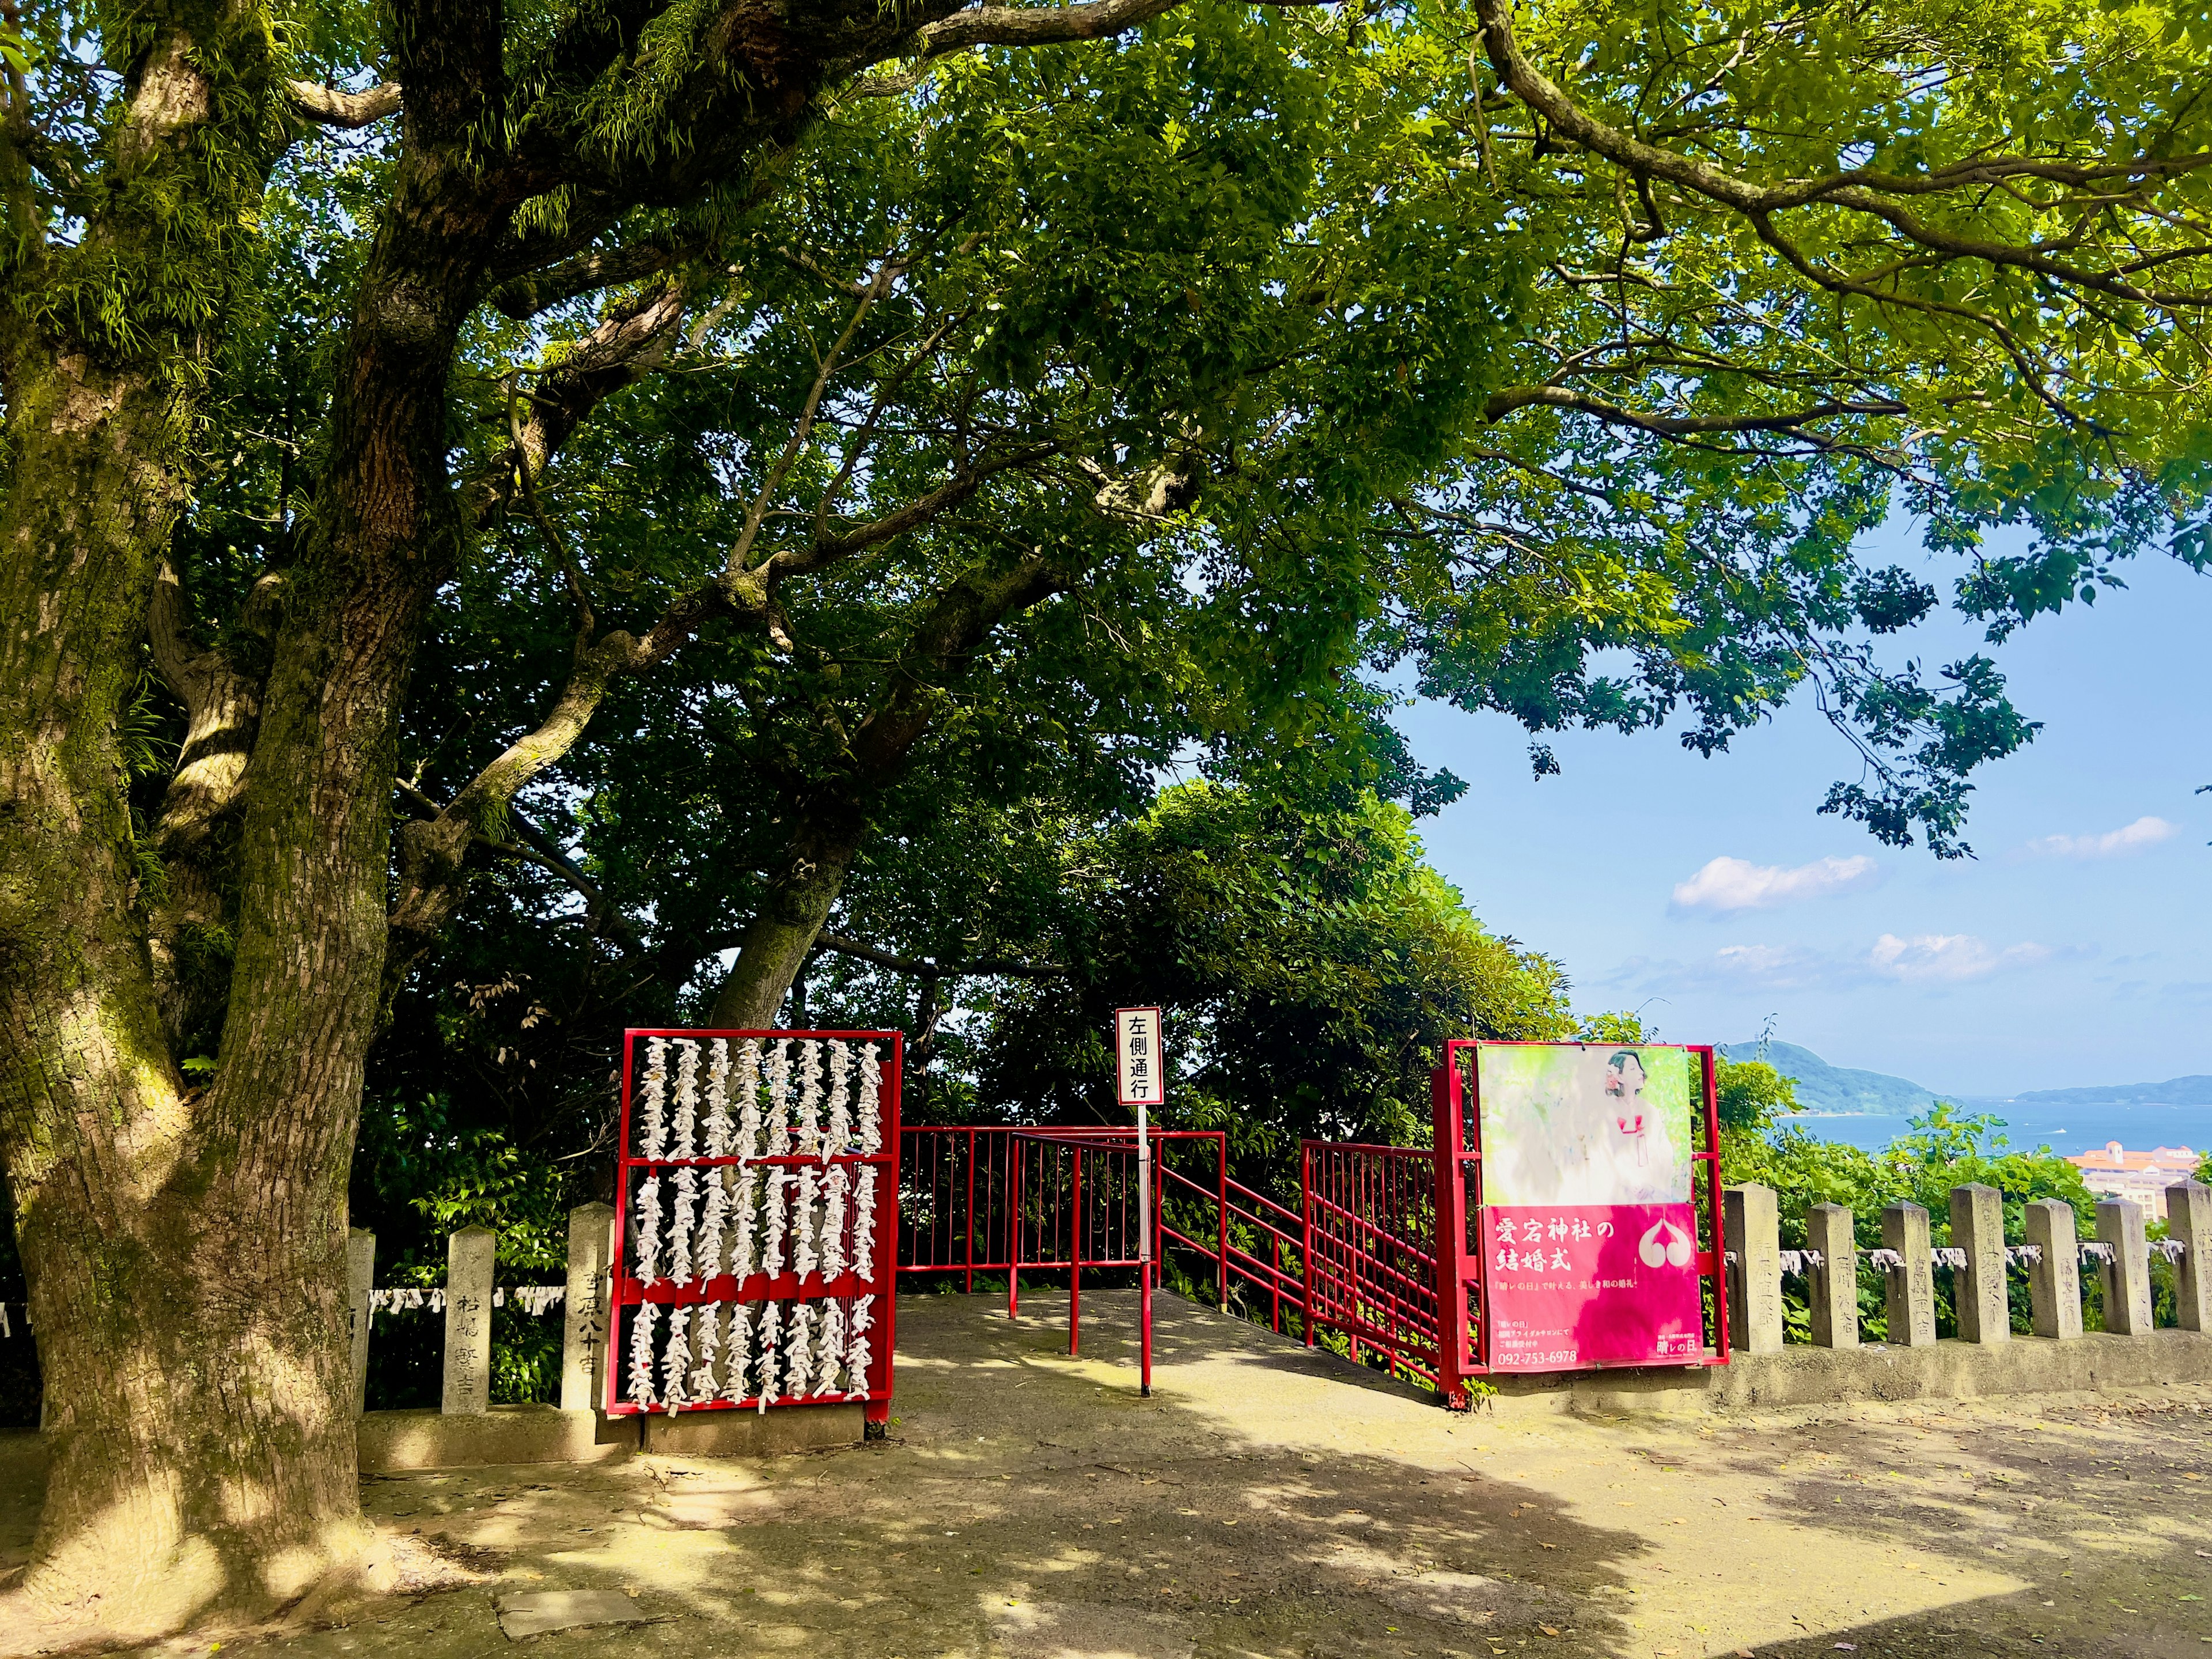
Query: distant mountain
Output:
(1825,1088)
(2174,1091)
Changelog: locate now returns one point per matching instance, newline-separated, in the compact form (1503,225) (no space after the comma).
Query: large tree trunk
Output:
(187,1439)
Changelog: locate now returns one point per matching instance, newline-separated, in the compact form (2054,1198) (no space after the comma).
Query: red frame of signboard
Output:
(1462,1269)
(758,1287)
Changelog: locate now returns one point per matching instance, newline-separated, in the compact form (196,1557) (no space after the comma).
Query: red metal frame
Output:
(1462,1276)
(1064,1198)
(1381,1248)
(629,1291)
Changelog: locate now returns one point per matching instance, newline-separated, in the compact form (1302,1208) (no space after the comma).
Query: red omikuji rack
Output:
(872,1276)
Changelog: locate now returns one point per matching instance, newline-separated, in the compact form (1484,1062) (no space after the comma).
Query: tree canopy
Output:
(692,461)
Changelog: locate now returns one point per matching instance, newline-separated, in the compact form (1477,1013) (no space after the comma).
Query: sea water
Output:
(2067,1130)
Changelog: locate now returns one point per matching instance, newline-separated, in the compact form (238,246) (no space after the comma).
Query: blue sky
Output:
(2071,951)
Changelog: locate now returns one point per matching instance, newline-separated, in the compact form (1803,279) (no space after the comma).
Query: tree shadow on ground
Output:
(1272,1500)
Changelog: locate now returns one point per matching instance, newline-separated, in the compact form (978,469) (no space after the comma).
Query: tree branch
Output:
(329,106)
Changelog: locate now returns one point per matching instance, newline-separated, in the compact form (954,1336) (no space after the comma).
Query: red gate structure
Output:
(757,1221)
(1383,1249)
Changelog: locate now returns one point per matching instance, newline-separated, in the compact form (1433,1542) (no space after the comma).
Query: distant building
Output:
(2143,1176)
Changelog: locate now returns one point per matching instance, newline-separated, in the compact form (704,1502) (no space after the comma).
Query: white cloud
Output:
(2113,843)
(1938,957)
(1727,885)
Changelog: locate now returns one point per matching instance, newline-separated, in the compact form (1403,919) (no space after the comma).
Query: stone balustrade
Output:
(1979,1261)
(466,1301)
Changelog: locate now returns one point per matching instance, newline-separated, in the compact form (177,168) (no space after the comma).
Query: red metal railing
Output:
(1382,1247)
(1371,1251)
(993,1199)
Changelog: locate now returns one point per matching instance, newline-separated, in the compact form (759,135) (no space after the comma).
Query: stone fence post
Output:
(469,1256)
(1835,1283)
(360,1287)
(2054,1279)
(1909,1291)
(2189,1218)
(1753,1230)
(2126,1277)
(1977,1290)
(584,1333)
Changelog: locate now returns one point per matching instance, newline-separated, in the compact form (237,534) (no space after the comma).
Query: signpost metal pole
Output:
(1140,1081)
(1144,1256)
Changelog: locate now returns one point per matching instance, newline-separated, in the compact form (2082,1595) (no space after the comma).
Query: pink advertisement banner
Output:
(1580,1286)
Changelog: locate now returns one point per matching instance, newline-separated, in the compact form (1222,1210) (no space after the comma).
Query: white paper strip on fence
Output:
(1799,1263)
(803,1258)
(779,1097)
(2097,1251)
(809,1139)
(836,1186)
(718,1098)
(679,1225)
(776,1218)
(648,1230)
(767,1350)
(707,1262)
(863,1228)
(748,1108)
(676,1361)
(871,1115)
(1886,1261)
(687,1099)
(798,1372)
(1947,1255)
(640,1353)
(839,1137)
(741,1250)
(2024,1255)
(654,1141)
(833,1349)
(2171,1248)
(738,1354)
(856,1354)
(706,1342)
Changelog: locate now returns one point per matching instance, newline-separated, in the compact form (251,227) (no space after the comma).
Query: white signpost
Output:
(1140,1081)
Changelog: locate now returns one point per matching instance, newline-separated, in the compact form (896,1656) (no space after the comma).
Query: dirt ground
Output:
(1268,1501)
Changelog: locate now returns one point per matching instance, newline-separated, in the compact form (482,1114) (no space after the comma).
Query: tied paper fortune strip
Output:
(779,1099)
(856,1354)
(1886,1261)
(803,1258)
(679,1225)
(1797,1263)
(707,1262)
(767,1351)
(653,1143)
(2171,1248)
(864,1226)
(740,1358)
(798,1366)
(687,1098)
(718,1098)
(640,1355)
(839,1138)
(648,1230)
(833,1349)
(810,1096)
(837,1185)
(777,1210)
(675,1365)
(2098,1252)
(741,1252)
(871,1115)
(748,1086)
(2029,1254)
(1947,1255)
(706,1341)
